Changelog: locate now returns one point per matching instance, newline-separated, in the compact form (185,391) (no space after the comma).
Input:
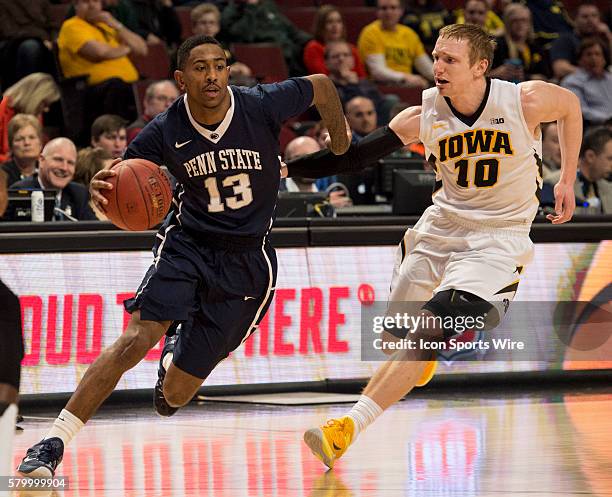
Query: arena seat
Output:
(154,65)
(57,15)
(301,17)
(184,15)
(265,59)
(411,96)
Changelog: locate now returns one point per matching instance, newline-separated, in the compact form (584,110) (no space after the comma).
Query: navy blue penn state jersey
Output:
(228,178)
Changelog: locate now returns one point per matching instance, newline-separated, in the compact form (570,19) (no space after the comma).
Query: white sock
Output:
(363,413)
(7,432)
(65,426)
(167,361)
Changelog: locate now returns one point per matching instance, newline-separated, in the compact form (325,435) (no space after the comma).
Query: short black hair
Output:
(189,44)
(595,139)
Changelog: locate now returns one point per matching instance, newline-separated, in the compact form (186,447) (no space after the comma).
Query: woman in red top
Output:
(328,26)
(30,95)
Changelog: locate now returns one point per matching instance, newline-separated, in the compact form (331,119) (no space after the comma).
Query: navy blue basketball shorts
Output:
(215,290)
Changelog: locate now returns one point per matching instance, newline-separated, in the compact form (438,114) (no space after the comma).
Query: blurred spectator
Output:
(259,21)
(426,18)
(89,161)
(25,139)
(25,39)
(588,23)
(158,97)
(550,18)
(361,116)
(206,21)
(329,27)
(391,50)
(55,172)
(143,18)
(108,132)
(30,95)
(298,147)
(157,22)
(593,189)
(349,85)
(93,43)
(479,12)
(517,58)
(551,153)
(592,82)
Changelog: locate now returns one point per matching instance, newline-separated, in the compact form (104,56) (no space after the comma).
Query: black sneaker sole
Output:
(159,401)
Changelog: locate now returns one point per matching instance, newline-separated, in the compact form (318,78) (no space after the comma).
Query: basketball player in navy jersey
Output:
(214,270)
(465,256)
(11,354)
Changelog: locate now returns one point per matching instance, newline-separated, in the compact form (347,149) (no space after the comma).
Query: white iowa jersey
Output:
(487,165)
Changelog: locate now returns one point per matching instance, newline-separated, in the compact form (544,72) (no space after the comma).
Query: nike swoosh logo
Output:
(336,447)
(246,297)
(179,145)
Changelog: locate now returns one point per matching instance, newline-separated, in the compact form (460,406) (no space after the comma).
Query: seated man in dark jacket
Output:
(56,167)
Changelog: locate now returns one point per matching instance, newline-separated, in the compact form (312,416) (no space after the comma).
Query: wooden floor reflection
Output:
(557,445)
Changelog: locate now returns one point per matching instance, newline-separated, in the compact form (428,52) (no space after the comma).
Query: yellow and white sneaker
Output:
(428,373)
(329,441)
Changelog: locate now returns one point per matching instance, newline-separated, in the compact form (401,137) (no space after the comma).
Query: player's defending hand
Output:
(97,183)
(565,203)
(327,137)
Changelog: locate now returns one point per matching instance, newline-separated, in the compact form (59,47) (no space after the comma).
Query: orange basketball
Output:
(141,195)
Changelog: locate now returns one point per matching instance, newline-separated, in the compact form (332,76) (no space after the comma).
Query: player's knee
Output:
(456,311)
(133,345)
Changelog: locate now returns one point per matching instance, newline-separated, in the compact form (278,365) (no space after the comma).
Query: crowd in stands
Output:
(80,79)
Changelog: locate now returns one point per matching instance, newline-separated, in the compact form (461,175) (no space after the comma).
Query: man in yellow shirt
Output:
(93,43)
(479,12)
(391,50)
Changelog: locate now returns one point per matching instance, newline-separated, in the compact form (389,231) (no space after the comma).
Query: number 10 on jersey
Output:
(486,173)
(243,195)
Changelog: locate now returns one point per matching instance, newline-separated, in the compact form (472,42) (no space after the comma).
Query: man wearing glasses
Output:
(158,97)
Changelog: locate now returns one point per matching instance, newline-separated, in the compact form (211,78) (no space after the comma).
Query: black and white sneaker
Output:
(159,401)
(42,459)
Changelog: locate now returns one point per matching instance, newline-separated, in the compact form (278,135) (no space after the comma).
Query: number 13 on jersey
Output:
(243,195)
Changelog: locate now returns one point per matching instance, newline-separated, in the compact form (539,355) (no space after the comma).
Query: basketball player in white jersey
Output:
(465,255)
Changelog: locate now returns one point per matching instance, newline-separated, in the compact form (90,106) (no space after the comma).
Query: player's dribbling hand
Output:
(565,203)
(97,183)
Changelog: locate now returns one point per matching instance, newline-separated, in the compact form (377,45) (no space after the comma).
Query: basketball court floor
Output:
(442,444)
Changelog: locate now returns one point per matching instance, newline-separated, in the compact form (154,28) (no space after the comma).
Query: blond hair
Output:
(89,161)
(509,13)
(481,45)
(201,10)
(33,92)
(20,121)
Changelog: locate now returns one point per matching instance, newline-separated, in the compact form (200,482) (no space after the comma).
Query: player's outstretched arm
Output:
(402,130)
(328,104)
(545,102)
